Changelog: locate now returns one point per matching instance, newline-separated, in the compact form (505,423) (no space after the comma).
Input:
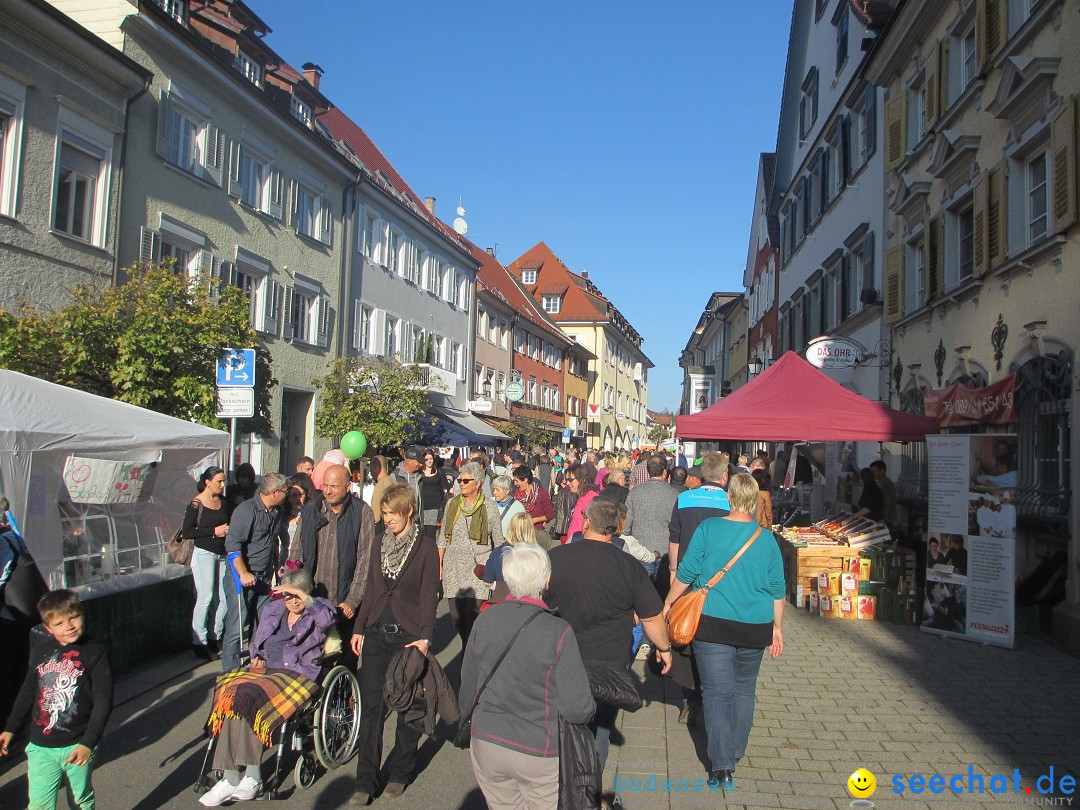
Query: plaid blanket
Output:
(266,700)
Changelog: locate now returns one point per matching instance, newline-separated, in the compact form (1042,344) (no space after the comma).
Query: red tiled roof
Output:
(496,278)
(552,289)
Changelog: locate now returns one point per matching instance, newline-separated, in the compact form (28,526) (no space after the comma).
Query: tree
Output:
(657,432)
(153,341)
(528,429)
(382,398)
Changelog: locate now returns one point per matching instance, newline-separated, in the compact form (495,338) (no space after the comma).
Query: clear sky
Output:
(624,134)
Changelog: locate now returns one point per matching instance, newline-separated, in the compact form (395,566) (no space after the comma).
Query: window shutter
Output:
(943,76)
(843,274)
(990,19)
(271,306)
(326,221)
(931,79)
(294,216)
(215,154)
(935,259)
(871,119)
(358,312)
(1063,165)
(149,246)
(277,193)
(205,270)
(163,125)
(226,274)
(895,130)
(235,189)
(894,284)
(996,248)
(323,338)
(978,218)
(286,312)
(845,149)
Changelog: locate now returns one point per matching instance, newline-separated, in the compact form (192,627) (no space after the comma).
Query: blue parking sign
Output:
(566,435)
(236,368)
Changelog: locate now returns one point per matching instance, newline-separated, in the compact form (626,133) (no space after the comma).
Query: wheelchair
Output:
(323,734)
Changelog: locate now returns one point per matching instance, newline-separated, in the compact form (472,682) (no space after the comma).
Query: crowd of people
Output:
(572,558)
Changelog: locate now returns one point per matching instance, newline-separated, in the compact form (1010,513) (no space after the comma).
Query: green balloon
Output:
(353,444)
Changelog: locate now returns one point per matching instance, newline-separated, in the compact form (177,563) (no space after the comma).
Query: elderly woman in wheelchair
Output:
(251,703)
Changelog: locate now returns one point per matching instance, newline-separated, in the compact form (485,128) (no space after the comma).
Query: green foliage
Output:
(152,341)
(528,429)
(658,433)
(382,398)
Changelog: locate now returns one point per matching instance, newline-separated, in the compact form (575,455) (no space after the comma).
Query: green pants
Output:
(46,771)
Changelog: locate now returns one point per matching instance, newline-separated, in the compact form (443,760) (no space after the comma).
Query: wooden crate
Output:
(803,563)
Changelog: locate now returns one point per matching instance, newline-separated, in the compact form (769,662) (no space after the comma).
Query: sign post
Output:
(235,391)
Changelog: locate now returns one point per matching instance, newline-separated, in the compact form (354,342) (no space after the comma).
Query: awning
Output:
(462,428)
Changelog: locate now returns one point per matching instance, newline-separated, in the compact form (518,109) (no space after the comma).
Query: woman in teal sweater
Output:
(742,616)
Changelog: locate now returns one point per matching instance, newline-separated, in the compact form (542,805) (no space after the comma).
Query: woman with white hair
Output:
(472,528)
(502,488)
(515,722)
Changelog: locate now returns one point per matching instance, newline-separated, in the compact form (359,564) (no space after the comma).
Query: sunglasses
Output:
(570,480)
(465,481)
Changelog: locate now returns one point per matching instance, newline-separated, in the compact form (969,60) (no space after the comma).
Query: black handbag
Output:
(463,738)
(25,584)
(579,780)
(613,685)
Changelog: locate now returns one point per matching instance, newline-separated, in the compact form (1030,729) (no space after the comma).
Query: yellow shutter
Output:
(895,130)
(894,284)
(978,217)
(996,247)
(935,258)
(1063,162)
(932,78)
(990,17)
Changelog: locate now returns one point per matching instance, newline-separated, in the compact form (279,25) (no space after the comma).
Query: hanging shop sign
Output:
(959,405)
(834,351)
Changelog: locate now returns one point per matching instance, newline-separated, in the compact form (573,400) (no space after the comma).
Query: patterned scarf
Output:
(395,550)
(529,496)
(478,525)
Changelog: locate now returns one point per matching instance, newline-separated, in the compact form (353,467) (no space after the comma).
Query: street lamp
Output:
(755,365)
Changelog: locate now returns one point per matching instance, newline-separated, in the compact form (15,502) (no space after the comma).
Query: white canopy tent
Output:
(97,486)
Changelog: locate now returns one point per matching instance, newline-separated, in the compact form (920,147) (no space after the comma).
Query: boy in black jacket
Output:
(67,697)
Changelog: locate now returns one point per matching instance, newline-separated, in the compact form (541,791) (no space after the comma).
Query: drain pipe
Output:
(120,176)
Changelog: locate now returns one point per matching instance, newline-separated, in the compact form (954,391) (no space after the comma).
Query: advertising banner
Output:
(971,539)
(957,405)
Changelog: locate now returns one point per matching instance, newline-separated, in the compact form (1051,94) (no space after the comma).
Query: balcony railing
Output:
(438,380)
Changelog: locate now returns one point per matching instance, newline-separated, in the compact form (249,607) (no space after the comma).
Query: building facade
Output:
(64,100)
(228,175)
(618,376)
(761,277)
(982,247)
(493,356)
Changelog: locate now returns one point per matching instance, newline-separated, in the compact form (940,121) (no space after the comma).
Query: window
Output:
(253,177)
(1036,198)
(481,323)
(183,140)
(302,315)
(446,283)
(841,23)
(914,275)
(916,112)
(434,275)
(528,277)
(534,347)
(545,395)
(174,8)
(301,111)
(181,258)
(960,245)
(12,103)
(372,237)
(808,104)
(968,57)
(362,327)
(312,215)
(533,391)
(462,296)
(419,343)
(79,195)
(249,68)
(1019,12)
(186,138)
(440,352)
(556,401)
(520,341)
(552,304)
(493,330)
(391,335)
(458,360)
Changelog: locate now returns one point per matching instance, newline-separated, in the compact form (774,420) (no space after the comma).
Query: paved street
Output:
(844,695)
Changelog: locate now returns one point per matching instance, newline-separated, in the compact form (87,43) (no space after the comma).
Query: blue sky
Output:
(625,134)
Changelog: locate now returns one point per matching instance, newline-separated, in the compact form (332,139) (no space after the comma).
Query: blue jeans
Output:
(653,568)
(728,681)
(211,584)
(246,610)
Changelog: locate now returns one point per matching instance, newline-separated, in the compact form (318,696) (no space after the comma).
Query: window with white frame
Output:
(914,274)
(249,68)
(415,260)
(254,177)
(528,277)
(462,291)
(493,329)
(301,111)
(959,244)
(80,191)
(419,343)
(440,352)
(534,347)
(963,59)
(1036,197)
(174,8)
(520,341)
(534,392)
(312,215)
(916,111)
(481,323)
(434,275)
(362,320)
(372,247)
(391,335)
(12,106)
(808,103)
(841,21)
(556,401)
(458,360)
(446,283)
(552,304)
(545,395)
(302,314)
(504,334)
(186,138)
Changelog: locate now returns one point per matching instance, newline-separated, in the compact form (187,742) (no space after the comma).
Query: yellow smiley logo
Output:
(861,784)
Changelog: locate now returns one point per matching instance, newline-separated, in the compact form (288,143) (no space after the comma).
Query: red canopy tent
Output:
(793,401)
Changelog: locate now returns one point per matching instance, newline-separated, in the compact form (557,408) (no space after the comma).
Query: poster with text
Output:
(971,538)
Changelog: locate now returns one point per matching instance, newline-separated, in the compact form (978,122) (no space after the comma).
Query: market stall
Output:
(97,487)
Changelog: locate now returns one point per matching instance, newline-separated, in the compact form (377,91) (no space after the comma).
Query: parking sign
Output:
(236,369)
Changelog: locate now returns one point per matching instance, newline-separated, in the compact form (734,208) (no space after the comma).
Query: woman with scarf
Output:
(471,528)
(502,488)
(533,497)
(398,611)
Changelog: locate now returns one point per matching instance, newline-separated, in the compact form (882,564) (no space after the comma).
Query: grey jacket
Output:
(255,531)
(648,512)
(541,680)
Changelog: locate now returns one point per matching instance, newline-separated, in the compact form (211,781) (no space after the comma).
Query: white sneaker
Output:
(247,789)
(218,794)
(643,652)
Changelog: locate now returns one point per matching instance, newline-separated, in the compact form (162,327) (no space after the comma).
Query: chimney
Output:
(312,74)
(585,274)
(429,203)
(491,251)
